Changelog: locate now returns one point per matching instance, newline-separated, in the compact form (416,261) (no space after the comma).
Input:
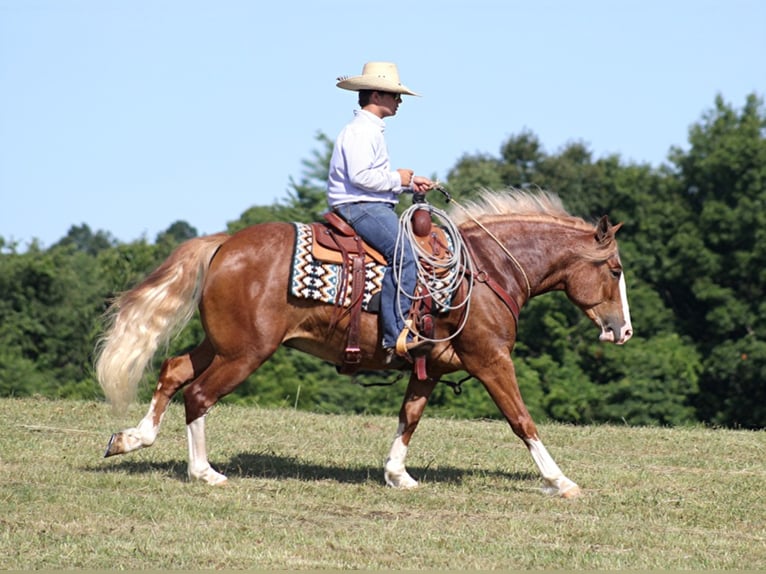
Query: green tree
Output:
(721,253)
(83,239)
(48,305)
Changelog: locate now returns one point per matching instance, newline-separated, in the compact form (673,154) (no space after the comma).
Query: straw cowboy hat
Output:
(378,76)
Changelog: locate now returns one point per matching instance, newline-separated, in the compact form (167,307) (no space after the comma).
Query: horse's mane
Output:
(515,203)
(511,202)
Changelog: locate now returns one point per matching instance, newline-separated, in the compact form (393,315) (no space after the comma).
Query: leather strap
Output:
(352,356)
(509,301)
(340,293)
(483,277)
(338,223)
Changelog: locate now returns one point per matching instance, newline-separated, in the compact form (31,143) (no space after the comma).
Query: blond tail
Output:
(147,316)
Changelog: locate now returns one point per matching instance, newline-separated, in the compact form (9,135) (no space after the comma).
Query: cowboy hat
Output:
(378,76)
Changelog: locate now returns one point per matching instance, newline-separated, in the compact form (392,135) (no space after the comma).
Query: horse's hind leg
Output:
(415,399)
(221,378)
(175,373)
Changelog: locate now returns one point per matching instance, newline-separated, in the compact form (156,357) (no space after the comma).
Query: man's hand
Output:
(421,184)
(417,183)
(406,176)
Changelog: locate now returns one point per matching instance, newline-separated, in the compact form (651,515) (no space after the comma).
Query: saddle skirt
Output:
(317,268)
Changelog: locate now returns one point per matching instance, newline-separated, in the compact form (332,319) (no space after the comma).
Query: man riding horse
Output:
(364,190)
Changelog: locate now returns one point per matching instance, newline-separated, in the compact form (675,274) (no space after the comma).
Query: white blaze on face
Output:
(610,331)
(627,328)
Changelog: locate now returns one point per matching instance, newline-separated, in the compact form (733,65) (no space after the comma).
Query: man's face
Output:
(389,103)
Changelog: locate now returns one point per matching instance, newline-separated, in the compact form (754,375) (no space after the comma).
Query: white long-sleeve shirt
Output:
(360,169)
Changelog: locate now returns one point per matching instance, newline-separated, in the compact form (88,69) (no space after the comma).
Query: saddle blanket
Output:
(320,281)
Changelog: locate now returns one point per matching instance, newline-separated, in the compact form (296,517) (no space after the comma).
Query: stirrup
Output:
(401,340)
(417,345)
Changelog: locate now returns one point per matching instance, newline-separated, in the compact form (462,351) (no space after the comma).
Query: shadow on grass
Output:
(273,466)
(171,468)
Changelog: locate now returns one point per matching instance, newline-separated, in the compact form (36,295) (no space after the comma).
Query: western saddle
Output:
(335,241)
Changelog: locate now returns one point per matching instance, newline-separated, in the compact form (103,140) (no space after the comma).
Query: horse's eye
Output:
(616,272)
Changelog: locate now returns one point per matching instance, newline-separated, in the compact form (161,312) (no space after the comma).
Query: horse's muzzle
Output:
(618,336)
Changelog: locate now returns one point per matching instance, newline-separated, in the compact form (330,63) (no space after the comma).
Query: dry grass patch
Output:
(305,491)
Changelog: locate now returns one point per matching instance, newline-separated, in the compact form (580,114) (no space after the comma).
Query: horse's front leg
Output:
(498,375)
(415,400)
(555,482)
(175,373)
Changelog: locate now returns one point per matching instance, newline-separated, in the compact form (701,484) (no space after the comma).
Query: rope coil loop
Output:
(454,268)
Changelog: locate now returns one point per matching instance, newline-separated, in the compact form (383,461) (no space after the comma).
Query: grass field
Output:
(305,491)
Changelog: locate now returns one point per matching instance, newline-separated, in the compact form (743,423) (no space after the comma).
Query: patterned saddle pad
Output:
(320,281)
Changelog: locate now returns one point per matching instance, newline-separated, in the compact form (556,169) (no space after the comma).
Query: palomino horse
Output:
(522,244)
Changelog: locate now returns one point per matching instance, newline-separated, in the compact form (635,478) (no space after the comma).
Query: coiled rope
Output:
(438,277)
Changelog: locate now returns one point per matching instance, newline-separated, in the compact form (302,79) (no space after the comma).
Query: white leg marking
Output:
(394,472)
(555,481)
(147,430)
(199,467)
(141,436)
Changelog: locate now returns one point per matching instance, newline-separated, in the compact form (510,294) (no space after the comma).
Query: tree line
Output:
(693,246)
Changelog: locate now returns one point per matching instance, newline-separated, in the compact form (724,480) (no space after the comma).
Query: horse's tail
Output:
(147,316)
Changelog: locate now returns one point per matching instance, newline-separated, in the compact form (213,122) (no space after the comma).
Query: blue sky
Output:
(130,115)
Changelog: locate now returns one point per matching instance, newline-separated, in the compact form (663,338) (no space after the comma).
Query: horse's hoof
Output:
(400,481)
(562,488)
(115,445)
(572,492)
(208,476)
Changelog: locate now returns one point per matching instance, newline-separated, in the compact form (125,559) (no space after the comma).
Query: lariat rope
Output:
(438,277)
(455,267)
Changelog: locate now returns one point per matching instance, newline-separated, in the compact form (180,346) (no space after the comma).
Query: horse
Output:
(522,245)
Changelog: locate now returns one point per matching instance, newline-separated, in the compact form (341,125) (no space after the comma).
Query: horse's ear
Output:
(603,229)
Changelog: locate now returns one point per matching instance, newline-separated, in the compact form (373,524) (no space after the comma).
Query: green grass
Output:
(305,492)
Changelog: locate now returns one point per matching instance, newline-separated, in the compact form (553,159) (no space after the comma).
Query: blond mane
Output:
(514,203)
(510,202)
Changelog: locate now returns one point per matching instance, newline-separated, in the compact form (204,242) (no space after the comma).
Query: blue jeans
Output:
(378,224)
